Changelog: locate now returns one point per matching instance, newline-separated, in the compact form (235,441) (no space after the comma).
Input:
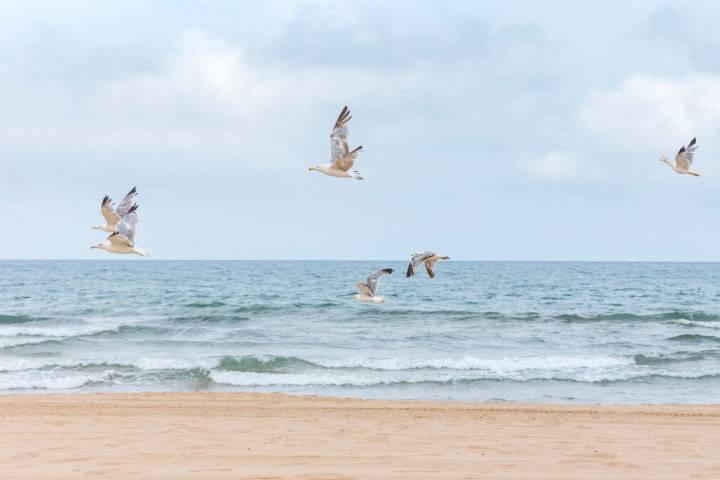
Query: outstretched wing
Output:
(346,162)
(126,227)
(690,151)
(373,280)
(681,159)
(429,266)
(340,152)
(126,203)
(108,212)
(415,260)
(339,134)
(364,289)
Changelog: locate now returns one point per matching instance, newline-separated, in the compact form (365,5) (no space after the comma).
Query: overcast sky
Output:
(492,130)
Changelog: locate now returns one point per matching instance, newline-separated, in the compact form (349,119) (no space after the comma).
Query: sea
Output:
(549,332)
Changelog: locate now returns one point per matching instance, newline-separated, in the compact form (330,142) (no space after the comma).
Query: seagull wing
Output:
(120,240)
(364,289)
(429,265)
(340,152)
(681,159)
(373,280)
(126,203)
(108,212)
(126,227)
(690,151)
(415,260)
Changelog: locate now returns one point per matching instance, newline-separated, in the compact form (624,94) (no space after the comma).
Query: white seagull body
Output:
(123,239)
(114,215)
(342,158)
(683,159)
(368,290)
(428,258)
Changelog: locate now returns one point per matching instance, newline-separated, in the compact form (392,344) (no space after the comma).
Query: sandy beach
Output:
(272,436)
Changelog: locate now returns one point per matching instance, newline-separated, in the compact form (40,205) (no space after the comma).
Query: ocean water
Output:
(480,331)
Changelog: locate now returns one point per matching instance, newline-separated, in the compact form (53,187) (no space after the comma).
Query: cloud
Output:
(204,96)
(208,95)
(648,111)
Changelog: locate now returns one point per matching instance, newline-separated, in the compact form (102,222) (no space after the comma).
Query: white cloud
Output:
(204,96)
(649,111)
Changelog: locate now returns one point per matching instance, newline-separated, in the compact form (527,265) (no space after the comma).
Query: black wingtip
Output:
(133,191)
(342,118)
(410,272)
(692,142)
(132,209)
(388,270)
(105,201)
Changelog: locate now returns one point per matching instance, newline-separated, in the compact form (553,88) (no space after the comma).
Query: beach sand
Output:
(269,436)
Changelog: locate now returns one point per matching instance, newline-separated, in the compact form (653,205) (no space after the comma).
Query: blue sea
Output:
(480,331)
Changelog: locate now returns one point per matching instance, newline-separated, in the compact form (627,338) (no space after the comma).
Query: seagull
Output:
(114,215)
(123,239)
(342,158)
(428,258)
(369,288)
(683,159)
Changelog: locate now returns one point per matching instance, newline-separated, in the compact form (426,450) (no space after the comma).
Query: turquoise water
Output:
(541,332)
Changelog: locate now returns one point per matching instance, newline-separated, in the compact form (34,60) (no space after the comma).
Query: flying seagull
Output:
(114,215)
(368,290)
(123,239)
(342,158)
(428,258)
(683,159)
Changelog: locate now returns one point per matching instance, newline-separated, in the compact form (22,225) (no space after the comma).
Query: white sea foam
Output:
(12,364)
(56,331)
(365,379)
(252,379)
(505,364)
(33,379)
(6,342)
(696,323)
(18,364)
(173,363)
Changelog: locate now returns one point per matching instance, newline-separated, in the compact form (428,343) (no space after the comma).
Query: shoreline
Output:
(270,435)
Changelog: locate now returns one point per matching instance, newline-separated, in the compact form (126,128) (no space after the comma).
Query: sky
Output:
(492,130)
